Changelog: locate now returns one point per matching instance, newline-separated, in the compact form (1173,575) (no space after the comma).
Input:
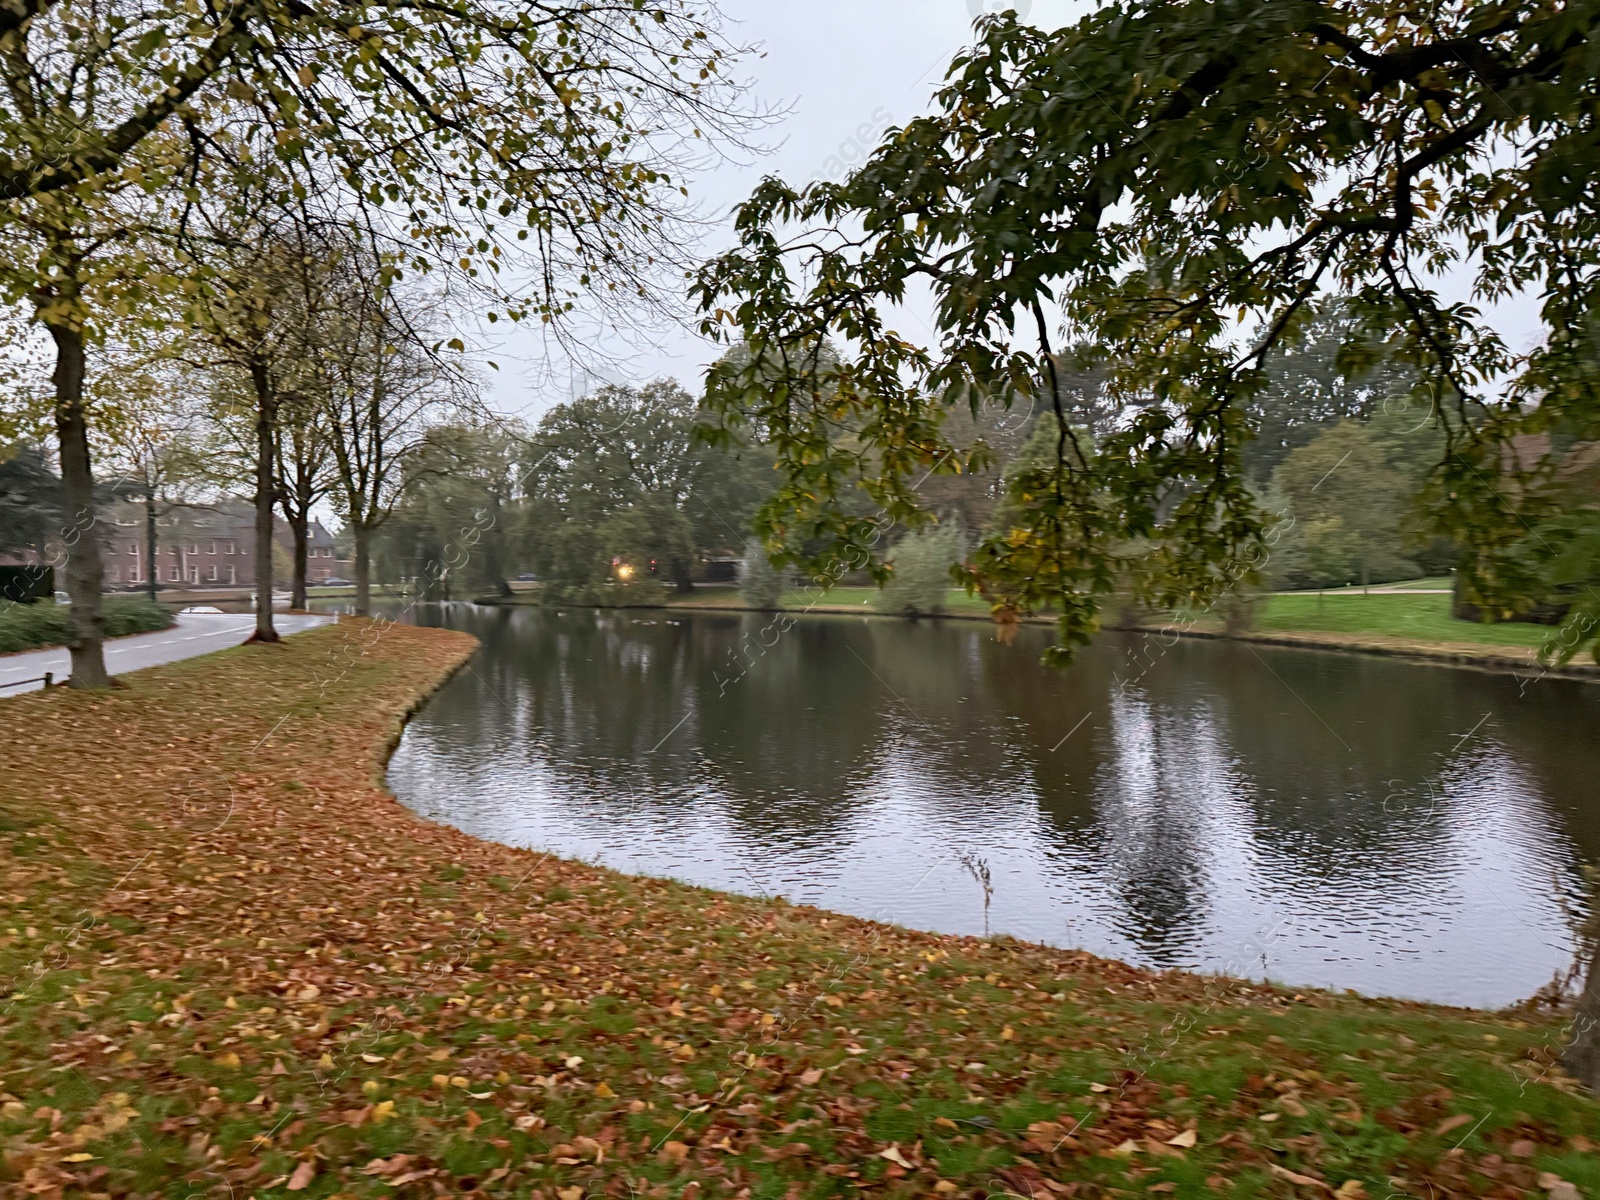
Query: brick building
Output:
(204,546)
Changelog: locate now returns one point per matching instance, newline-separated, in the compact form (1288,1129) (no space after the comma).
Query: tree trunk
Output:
(681,576)
(299,525)
(363,569)
(86,624)
(1582,1053)
(151,545)
(265,493)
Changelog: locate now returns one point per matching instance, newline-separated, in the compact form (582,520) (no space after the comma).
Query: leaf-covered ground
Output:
(232,965)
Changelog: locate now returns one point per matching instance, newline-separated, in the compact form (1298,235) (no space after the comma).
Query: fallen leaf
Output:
(1098,1087)
(1351,1189)
(675,1152)
(302,1177)
(1294,1177)
(1185,1139)
(809,1078)
(1449,1123)
(1558,1188)
(893,1155)
(603,1090)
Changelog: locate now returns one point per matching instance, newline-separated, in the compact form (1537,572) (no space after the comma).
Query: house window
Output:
(175,576)
(211,547)
(229,548)
(214,575)
(194,574)
(194,547)
(116,574)
(232,577)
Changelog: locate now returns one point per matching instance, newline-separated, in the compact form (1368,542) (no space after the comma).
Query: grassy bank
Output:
(235,966)
(1413,617)
(36,626)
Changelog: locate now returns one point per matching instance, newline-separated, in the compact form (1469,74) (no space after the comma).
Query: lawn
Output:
(234,966)
(1413,617)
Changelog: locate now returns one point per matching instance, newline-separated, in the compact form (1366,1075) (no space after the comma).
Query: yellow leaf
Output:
(1008,1034)
(383,1112)
(603,1090)
(1185,1139)
(81,1156)
(229,1060)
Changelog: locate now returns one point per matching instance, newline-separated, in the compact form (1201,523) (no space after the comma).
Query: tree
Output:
(761,585)
(450,522)
(383,380)
(30,500)
(921,563)
(1349,504)
(621,481)
(304,471)
(1136,184)
(463,131)
(260,298)
(1306,390)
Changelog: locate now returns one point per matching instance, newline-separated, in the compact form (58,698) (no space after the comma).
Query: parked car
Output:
(335,581)
(61,597)
(525,577)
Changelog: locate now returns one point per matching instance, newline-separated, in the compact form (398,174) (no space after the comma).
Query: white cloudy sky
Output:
(844,69)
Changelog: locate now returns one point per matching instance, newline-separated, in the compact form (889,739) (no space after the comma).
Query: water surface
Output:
(1317,818)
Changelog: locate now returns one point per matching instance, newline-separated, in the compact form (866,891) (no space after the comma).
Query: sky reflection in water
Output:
(1322,819)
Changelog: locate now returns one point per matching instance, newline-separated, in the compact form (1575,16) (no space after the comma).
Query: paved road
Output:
(194,634)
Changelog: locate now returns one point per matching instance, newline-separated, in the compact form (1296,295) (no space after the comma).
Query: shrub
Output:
(35,626)
(641,593)
(921,578)
(761,585)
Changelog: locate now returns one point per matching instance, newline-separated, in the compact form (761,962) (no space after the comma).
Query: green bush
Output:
(761,585)
(34,626)
(921,578)
(640,593)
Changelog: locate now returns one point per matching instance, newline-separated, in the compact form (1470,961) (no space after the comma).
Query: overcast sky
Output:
(845,70)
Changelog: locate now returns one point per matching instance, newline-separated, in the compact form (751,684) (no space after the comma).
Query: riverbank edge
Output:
(1460,655)
(1097,1083)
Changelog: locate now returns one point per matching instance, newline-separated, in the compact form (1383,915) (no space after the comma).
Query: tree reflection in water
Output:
(1324,819)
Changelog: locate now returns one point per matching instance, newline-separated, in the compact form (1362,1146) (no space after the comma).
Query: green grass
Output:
(1416,618)
(34,626)
(332,998)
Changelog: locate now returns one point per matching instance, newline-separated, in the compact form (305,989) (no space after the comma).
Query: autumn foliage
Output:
(232,964)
